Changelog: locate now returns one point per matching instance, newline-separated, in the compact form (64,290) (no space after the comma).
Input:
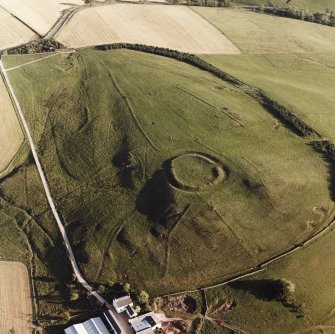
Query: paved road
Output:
(59,24)
(73,261)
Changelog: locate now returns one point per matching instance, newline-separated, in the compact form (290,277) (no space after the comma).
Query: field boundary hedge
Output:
(37,46)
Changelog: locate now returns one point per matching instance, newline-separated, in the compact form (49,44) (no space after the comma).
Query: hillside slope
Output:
(155,172)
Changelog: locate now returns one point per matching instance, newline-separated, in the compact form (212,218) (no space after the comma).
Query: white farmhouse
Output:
(125,303)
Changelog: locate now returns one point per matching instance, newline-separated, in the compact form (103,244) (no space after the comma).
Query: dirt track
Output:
(61,227)
(15,300)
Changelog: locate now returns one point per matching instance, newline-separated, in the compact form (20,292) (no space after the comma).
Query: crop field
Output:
(15,299)
(11,136)
(174,27)
(40,16)
(12,31)
(109,158)
(302,82)
(255,33)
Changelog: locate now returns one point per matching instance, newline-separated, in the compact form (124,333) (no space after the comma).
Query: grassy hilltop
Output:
(157,167)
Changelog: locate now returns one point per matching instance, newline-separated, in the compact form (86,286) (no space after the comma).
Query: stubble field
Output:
(39,15)
(11,136)
(12,31)
(173,27)
(15,299)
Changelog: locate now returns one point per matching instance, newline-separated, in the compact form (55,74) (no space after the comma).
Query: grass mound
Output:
(194,172)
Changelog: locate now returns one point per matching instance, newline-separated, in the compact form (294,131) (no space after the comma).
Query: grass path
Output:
(129,105)
(38,60)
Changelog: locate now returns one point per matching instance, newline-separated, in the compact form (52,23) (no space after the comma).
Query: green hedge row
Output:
(325,147)
(38,46)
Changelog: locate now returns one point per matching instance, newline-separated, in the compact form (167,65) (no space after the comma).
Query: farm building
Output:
(110,322)
(113,322)
(91,326)
(125,303)
(144,323)
(147,331)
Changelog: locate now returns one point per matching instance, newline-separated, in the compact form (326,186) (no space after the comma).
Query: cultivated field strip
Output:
(15,300)
(11,136)
(39,15)
(12,31)
(172,27)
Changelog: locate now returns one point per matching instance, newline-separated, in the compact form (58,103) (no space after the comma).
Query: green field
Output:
(302,82)
(107,123)
(312,5)
(255,33)
(311,270)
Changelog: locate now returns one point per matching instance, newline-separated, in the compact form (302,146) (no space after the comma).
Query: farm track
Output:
(111,236)
(61,22)
(73,261)
(211,105)
(167,247)
(38,60)
(260,267)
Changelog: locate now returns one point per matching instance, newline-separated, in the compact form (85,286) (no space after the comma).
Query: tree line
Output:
(205,3)
(38,46)
(326,18)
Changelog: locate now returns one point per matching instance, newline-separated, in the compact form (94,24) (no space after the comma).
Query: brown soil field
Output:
(174,27)
(15,300)
(39,15)
(12,31)
(11,136)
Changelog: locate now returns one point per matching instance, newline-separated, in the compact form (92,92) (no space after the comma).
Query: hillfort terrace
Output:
(120,319)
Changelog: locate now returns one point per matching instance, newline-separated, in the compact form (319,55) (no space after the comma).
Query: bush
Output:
(74,295)
(143,297)
(101,289)
(126,287)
